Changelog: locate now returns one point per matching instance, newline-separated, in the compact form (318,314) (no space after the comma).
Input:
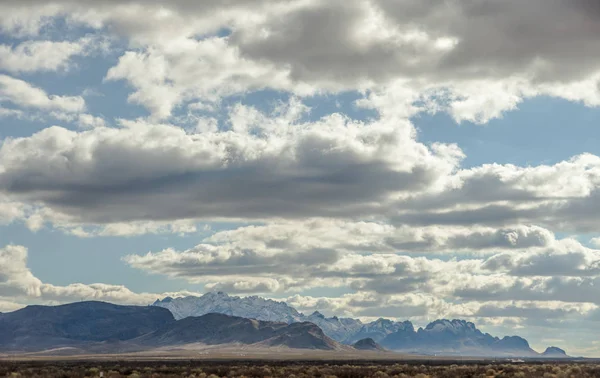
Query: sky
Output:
(411,159)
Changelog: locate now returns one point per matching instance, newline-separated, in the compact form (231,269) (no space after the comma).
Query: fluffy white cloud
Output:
(15,277)
(291,168)
(560,197)
(382,237)
(264,167)
(335,202)
(32,56)
(88,121)
(273,264)
(484,56)
(208,69)
(23,94)
(8,306)
(18,284)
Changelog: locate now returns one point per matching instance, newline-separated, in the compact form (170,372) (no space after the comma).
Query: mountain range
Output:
(442,337)
(216,329)
(254,307)
(215,319)
(78,324)
(100,327)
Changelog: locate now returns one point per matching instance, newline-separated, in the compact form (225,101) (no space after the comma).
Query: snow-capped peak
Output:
(317,314)
(219,302)
(255,307)
(455,326)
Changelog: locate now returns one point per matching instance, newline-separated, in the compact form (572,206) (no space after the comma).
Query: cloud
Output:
(23,94)
(292,169)
(15,277)
(532,310)
(565,289)
(531,272)
(560,196)
(8,306)
(239,270)
(383,237)
(565,258)
(36,56)
(208,69)
(19,285)
(513,50)
(359,206)
(341,45)
(180,227)
(262,168)
(88,121)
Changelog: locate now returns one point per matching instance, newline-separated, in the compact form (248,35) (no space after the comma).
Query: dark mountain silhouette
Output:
(455,337)
(515,343)
(554,352)
(101,327)
(42,327)
(379,329)
(216,329)
(254,307)
(368,344)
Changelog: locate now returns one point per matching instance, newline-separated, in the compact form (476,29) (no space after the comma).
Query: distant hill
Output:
(96,326)
(456,337)
(554,352)
(368,344)
(41,327)
(216,329)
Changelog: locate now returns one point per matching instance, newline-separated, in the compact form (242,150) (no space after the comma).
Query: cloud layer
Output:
(18,286)
(154,118)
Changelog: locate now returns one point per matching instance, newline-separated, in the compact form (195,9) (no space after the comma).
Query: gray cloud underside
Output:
(332,168)
(380,202)
(318,38)
(512,49)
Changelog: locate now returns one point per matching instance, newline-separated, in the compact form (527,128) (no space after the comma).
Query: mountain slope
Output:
(379,329)
(445,337)
(214,329)
(554,352)
(99,326)
(41,327)
(340,329)
(368,344)
(254,307)
(456,337)
(218,302)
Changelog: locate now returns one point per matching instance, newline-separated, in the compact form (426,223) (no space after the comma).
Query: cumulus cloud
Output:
(536,273)
(384,237)
(8,306)
(333,202)
(18,284)
(15,277)
(513,50)
(560,196)
(208,69)
(33,56)
(566,258)
(23,94)
(262,168)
